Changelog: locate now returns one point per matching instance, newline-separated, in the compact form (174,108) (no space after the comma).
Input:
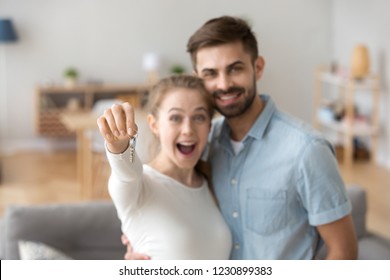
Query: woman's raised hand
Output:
(117,126)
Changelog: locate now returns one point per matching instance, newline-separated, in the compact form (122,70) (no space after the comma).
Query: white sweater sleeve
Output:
(125,184)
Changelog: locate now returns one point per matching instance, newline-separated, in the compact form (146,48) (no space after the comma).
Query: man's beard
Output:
(236,110)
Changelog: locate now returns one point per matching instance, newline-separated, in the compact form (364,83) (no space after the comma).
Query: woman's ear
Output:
(152,121)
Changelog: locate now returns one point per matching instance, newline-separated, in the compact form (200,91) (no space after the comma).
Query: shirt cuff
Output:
(332,215)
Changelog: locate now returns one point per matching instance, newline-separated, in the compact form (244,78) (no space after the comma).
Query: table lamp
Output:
(7,35)
(151,64)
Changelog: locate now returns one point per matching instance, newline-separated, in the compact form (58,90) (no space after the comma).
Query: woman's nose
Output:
(187,127)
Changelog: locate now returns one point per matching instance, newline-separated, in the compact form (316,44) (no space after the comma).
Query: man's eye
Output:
(236,69)
(209,74)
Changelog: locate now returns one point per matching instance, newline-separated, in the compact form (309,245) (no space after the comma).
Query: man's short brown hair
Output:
(223,30)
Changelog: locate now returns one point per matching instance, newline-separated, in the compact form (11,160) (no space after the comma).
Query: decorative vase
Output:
(360,63)
(70,82)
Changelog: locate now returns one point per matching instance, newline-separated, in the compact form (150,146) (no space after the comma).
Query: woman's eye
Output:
(175,118)
(200,118)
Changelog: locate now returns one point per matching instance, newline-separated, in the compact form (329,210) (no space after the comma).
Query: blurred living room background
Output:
(63,60)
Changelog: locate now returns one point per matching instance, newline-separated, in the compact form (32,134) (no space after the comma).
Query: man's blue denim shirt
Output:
(283,183)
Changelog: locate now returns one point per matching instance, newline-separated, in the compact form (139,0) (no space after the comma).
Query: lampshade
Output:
(7,31)
(151,62)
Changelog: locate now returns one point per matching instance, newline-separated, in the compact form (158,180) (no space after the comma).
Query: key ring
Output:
(132,143)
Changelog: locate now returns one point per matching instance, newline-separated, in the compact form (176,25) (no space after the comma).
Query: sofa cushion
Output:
(30,250)
(2,239)
(358,198)
(85,230)
(374,247)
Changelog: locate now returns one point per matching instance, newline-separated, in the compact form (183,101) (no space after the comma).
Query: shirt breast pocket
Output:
(266,210)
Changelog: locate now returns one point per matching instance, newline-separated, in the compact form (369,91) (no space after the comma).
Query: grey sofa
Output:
(91,230)
(85,230)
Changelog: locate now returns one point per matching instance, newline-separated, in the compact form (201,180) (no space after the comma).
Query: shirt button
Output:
(235,214)
(233,182)
(236,246)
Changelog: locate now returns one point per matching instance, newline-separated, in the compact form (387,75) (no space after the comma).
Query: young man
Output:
(276,180)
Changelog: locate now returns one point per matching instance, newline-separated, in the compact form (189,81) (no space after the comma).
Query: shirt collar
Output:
(258,128)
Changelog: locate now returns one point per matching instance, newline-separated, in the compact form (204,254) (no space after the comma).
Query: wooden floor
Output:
(376,181)
(38,178)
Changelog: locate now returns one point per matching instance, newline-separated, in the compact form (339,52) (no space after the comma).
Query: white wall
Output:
(367,22)
(105,39)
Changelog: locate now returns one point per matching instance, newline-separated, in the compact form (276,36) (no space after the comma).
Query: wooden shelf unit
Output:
(350,126)
(52,101)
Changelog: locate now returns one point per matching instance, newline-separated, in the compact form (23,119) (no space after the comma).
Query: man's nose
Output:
(223,82)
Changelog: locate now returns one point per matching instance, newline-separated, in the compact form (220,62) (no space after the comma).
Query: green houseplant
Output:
(177,69)
(70,76)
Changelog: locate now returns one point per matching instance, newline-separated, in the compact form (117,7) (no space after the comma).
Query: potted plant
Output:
(177,69)
(70,76)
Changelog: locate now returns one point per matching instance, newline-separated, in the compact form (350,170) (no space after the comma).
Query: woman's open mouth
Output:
(185,149)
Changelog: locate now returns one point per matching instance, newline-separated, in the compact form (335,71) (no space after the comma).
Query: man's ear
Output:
(153,124)
(259,67)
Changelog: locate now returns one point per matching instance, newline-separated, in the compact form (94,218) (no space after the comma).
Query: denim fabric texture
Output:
(278,188)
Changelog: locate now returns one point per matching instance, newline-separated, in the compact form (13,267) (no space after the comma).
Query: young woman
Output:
(166,207)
